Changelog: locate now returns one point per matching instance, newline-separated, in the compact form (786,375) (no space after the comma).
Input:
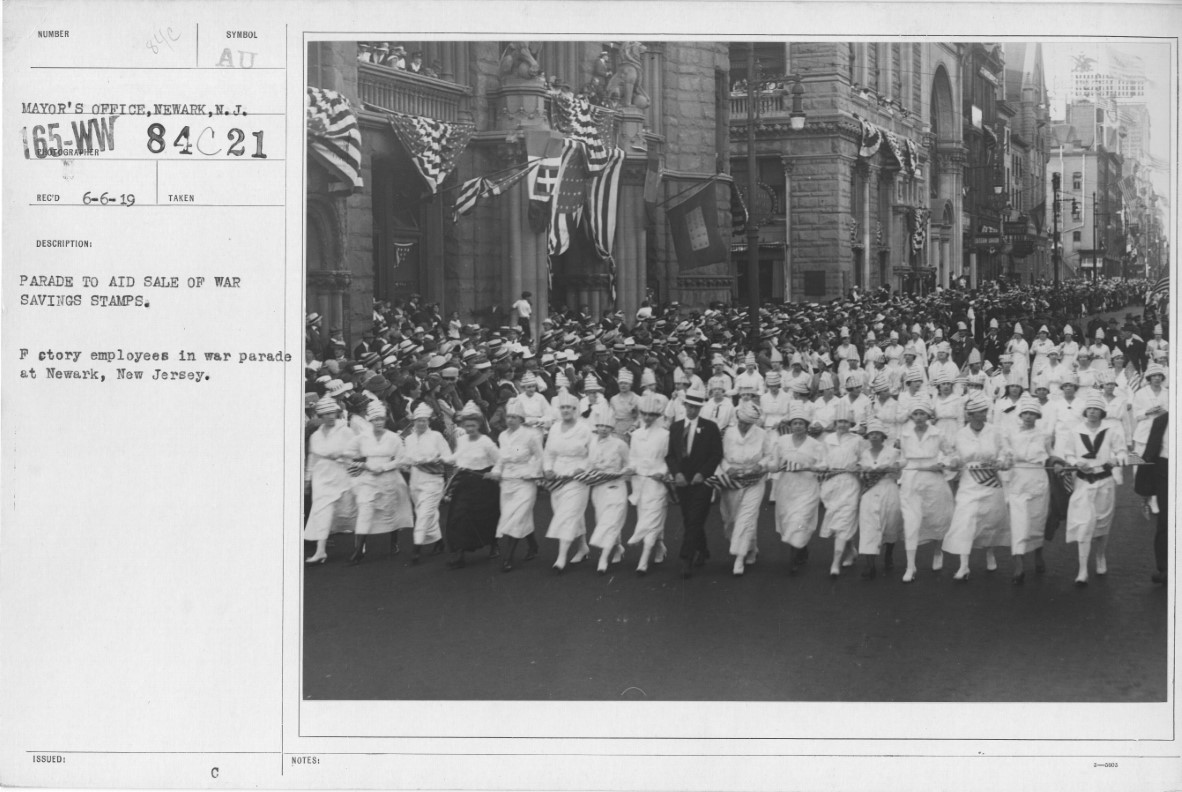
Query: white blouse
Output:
(475,454)
(648,450)
(567,449)
(521,453)
(744,450)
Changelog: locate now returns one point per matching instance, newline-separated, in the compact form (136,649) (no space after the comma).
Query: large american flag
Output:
(542,183)
(334,139)
(434,146)
(570,197)
(603,209)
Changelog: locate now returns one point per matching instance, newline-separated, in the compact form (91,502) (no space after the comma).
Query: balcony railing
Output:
(770,103)
(413,94)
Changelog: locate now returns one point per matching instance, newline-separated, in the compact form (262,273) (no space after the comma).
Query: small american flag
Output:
(334,139)
(593,477)
(434,146)
(725,481)
(985,476)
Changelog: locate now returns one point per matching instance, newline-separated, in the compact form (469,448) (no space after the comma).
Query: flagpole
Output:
(753,88)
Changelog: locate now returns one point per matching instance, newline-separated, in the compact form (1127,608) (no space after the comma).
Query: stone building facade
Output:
(836,213)
(392,239)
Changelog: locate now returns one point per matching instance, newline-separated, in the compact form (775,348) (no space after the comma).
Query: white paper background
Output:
(149,565)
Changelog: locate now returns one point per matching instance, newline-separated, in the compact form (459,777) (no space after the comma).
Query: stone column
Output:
(631,238)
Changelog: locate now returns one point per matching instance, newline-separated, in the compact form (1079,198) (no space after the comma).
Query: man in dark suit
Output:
(1154,480)
(695,450)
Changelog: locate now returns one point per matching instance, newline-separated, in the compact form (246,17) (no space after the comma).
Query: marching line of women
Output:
(955,471)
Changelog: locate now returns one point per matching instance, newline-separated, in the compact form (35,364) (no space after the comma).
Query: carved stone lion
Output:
(518,62)
(625,87)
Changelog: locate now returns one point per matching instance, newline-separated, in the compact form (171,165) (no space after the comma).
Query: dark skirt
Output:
(474,511)
(1060,496)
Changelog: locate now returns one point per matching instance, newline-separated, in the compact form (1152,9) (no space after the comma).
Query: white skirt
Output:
(426,492)
(740,517)
(517,508)
(840,495)
(610,501)
(652,502)
(798,498)
(570,512)
(1028,495)
(880,517)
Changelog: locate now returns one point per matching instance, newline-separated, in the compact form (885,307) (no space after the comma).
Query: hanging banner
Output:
(334,139)
(693,224)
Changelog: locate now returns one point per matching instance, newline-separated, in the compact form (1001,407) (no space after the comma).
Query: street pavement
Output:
(388,630)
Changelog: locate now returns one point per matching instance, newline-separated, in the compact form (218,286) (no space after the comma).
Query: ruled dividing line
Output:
(162,68)
(197,48)
(210,158)
(160,205)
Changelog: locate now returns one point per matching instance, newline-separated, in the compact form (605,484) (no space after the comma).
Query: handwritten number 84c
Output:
(157,142)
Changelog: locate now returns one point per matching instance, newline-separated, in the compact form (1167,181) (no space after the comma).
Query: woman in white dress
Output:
(841,487)
(383,500)
(423,452)
(1041,349)
(1150,401)
(1027,487)
(798,492)
(1019,348)
(949,407)
(744,448)
(1097,448)
(924,494)
(609,499)
(649,445)
(520,463)
(328,470)
(880,516)
(568,447)
(981,517)
(1119,409)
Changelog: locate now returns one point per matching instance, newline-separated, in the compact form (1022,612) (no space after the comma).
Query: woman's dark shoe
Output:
(358,554)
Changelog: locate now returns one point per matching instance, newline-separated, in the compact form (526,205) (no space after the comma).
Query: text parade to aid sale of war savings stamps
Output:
(119,141)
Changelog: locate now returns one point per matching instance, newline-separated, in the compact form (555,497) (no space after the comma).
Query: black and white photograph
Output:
(758,370)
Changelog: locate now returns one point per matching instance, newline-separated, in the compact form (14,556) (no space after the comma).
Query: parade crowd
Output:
(961,419)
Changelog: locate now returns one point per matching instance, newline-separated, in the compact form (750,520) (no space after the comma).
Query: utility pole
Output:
(1095,237)
(1055,185)
(753,90)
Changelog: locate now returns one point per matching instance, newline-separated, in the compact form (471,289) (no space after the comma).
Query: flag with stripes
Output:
(581,120)
(434,146)
(739,214)
(570,197)
(1161,288)
(603,209)
(725,481)
(334,139)
(1134,379)
(985,476)
(481,187)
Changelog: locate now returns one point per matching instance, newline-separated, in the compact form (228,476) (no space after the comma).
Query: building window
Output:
(814,283)
(1076,236)
(1076,181)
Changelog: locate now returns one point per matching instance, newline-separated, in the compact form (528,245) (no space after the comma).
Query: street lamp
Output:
(796,120)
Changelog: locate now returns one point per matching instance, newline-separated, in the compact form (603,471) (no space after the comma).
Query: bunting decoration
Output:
(334,139)
(583,121)
(985,476)
(1161,288)
(901,152)
(917,218)
(434,146)
(871,139)
(401,251)
(725,481)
